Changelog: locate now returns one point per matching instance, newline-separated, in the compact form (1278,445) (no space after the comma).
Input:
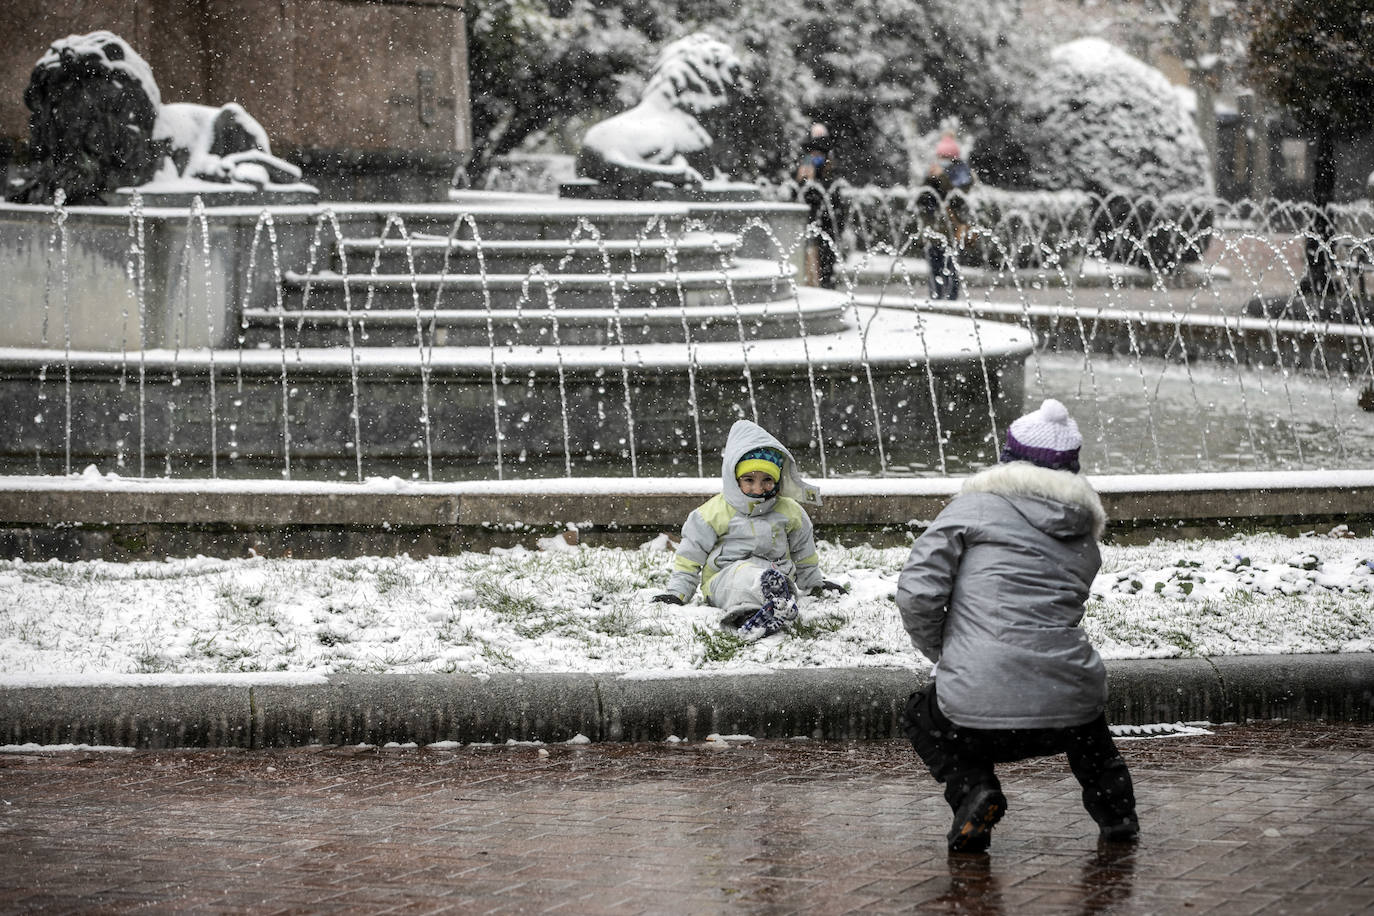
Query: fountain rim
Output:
(888,345)
(1104,484)
(750,270)
(508,207)
(991,310)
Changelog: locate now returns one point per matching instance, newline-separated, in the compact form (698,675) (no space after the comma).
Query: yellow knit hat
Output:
(767,460)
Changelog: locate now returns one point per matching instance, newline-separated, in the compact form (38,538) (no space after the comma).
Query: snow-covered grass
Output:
(588,609)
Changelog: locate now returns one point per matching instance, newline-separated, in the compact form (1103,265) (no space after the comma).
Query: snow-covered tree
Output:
(877,71)
(1109,123)
(1316,58)
(530,69)
(887,71)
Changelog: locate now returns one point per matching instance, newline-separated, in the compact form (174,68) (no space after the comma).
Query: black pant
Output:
(944,274)
(963,758)
(826,257)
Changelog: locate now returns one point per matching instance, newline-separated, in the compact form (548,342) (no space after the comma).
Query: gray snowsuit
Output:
(994,590)
(731,539)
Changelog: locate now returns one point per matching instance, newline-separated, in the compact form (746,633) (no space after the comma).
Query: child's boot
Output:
(761,624)
(779,597)
(779,607)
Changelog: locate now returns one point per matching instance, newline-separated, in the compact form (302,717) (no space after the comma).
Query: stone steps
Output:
(581,272)
(433,254)
(785,317)
(745,282)
(547,219)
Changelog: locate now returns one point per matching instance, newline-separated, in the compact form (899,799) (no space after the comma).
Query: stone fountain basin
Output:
(887,373)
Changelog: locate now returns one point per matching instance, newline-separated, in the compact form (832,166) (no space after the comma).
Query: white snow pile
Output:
(1111,122)
(589,609)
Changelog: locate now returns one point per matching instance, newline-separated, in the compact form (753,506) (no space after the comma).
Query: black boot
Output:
(1110,799)
(978,805)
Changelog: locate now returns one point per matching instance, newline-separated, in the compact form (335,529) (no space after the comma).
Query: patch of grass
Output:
(716,645)
(58,573)
(506,602)
(345,572)
(239,610)
(498,657)
(811,629)
(329,638)
(454,632)
(151,662)
(1181,638)
(619,621)
(234,653)
(388,579)
(538,624)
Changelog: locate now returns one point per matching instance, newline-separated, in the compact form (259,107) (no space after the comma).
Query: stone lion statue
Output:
(660,139)
(97,123)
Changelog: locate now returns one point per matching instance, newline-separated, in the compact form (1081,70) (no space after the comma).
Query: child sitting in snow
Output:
(751,547)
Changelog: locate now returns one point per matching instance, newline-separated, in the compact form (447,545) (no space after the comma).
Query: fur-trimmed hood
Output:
(995,589)
(1060,503)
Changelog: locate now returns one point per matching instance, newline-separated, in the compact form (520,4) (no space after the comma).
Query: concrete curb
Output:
(252,711)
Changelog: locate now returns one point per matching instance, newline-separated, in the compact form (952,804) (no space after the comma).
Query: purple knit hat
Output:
(1048,437)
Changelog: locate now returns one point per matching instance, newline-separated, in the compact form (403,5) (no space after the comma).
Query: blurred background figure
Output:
(944,205)
(815,179)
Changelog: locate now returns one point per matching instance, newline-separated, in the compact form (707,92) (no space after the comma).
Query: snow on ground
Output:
(588,609)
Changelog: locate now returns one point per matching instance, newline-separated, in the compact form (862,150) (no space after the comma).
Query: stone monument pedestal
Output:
(710,192)
(228,195)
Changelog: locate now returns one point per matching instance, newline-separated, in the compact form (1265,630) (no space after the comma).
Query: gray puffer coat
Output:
(994,590)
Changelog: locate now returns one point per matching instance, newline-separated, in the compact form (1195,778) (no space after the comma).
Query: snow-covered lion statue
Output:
(660,139)
(97,123)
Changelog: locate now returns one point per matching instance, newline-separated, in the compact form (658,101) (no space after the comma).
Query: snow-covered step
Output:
(745,282)
(550,219)
(810,311)
(422,253)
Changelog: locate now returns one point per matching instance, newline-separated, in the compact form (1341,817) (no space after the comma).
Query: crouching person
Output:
(751,547)
(993,593)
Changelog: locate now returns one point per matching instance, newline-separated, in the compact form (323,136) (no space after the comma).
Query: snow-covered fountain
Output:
(466,339)
(488,335)
(514,335)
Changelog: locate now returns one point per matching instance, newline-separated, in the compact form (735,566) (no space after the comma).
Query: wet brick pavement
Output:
(1272,818)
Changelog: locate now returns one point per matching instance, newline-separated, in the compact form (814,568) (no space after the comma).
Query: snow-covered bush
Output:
(1109,123)
(1042,228)
(1008,228)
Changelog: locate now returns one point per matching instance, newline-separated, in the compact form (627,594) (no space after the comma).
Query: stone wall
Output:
(193,283)
(119,519)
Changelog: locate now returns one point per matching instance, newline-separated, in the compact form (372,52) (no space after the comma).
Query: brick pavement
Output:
(1272,818)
